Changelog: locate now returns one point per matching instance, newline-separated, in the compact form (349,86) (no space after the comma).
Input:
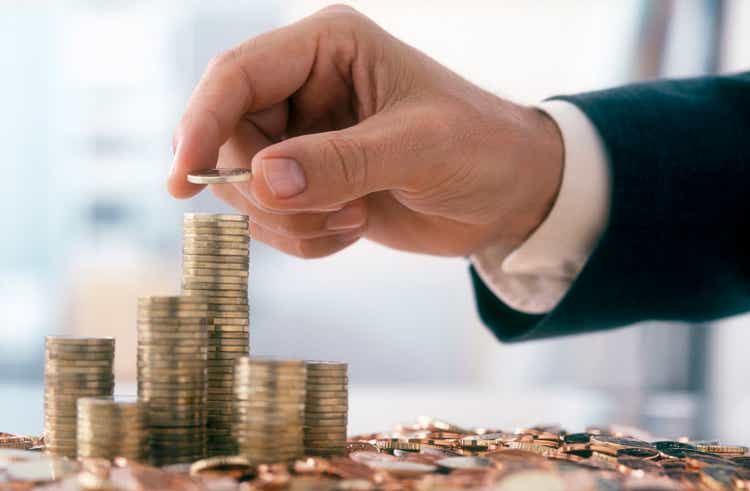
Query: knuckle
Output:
(291,226)
(350,158)
(344,19)
(310,249)
(341,10)
(222,60)
(303,249)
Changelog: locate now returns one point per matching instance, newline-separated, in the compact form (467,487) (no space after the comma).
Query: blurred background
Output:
(90,92)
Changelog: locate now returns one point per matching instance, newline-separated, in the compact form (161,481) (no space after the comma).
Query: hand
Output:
(351,133)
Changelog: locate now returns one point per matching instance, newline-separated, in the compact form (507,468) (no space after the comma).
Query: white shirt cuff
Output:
(537,275)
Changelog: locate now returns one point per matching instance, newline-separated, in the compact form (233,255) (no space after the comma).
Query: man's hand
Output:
(350,133)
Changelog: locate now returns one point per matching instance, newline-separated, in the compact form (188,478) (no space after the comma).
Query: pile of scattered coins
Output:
(172,377)
(113,427)
(74,368)
(215,267)
(326,408)
(426,456)
(269,408)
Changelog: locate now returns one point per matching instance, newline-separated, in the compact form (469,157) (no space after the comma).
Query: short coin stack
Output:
(172,351)
(215,266)
(269,409)
(112,427)
(74,367)
(326,408)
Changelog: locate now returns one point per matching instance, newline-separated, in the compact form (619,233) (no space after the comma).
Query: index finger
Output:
(253,76)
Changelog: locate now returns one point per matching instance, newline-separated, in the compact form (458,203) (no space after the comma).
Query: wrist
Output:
(541,160)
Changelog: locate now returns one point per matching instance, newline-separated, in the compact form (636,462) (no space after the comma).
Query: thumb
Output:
(324,171)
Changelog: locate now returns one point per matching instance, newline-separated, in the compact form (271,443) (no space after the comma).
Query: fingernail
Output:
(349,217)
(284,177)
(349,237)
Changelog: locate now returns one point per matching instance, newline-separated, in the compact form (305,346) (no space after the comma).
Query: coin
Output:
(216,234)
(215,265)
(215,296)
(210,272)
(210,258)
(215,217)
(214,250)
(80,341)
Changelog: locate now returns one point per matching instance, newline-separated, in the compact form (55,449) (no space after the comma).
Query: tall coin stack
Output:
(112,427)
(269,409)
(215,266)
(73,368)
(172,353)
(326,408)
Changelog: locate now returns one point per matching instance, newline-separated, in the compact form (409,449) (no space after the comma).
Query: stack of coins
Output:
(112,427)
(215,266)
(74,367)
(172,351)
(269,408)
(326,408)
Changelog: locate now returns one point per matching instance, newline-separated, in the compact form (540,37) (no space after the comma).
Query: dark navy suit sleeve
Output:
(677,242)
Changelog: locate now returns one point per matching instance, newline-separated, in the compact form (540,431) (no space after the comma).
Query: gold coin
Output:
(219,176)
(207,228)
(315,365)
(266,375)
(79,341)
(173,349)
(230,325)
(63,372)
(275,362)
(241,274)
(228,348)
(62,396)
(207,242)
(173,323)
(216,267)
(155,313)
(243,261)
(234,308)
(192,236)
(325,401)
(238,281)
(168,366)
(214,251)
(338,419)
(219,295)
(318,415)
(315,388)
(159,397)
(176,302)
(215,217)
(221,318)
(67,351)
(220,343)
(188,336)
(102,363)
(337,394)
(171,343)
(54,386)
(215,248)
(230,336)
(217,287)
(221,363)
(197,371)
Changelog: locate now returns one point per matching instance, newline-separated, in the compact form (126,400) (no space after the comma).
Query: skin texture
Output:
(388,144)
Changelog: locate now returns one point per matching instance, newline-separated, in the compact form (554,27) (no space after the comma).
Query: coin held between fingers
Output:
(219,176)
